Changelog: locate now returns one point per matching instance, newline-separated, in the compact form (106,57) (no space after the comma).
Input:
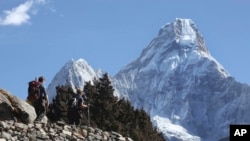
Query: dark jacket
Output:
(42,96)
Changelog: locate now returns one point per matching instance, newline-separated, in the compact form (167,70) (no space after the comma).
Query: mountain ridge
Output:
(177,79)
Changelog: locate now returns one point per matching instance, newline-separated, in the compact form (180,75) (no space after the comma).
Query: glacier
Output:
(188,94)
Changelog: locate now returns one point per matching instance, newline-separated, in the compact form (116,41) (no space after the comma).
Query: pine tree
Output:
(107,112)
(58,107)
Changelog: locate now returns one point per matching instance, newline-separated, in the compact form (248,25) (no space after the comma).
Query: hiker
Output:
(42,103)
(75,107)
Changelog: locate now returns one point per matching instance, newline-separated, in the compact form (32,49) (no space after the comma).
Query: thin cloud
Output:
(20,14)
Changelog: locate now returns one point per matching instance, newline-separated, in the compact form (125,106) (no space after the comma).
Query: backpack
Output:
(33,91)
(72,103)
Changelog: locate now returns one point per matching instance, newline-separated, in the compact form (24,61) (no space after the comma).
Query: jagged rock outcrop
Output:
(59,131)
(13,108)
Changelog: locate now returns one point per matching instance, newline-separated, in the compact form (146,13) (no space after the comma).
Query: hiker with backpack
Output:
(38,97)
(76,105)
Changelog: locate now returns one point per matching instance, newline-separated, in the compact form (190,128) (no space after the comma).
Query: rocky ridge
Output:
(59,131)
(17,124)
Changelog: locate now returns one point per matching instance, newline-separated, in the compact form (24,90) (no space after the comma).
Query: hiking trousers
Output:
(74,116)
(40,109)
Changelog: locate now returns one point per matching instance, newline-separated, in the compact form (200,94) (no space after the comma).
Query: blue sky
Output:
(37,37)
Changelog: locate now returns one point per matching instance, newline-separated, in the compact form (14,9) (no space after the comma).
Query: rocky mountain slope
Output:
(17,124)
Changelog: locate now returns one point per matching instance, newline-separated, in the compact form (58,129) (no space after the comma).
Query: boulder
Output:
(12,107)
(6,110)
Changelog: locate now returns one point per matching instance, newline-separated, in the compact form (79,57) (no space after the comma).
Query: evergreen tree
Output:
(107,112)
(90,90)
(58,107)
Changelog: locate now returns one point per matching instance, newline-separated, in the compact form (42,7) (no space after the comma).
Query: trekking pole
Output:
(88,116)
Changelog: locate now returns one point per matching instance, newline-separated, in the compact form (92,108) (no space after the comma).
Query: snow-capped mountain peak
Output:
(175,78)
(184,32)
(182,28)
(178,46)
(74,74)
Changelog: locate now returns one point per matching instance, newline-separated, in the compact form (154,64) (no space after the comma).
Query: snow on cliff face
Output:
(176,78)
(74,74)
(178,48)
